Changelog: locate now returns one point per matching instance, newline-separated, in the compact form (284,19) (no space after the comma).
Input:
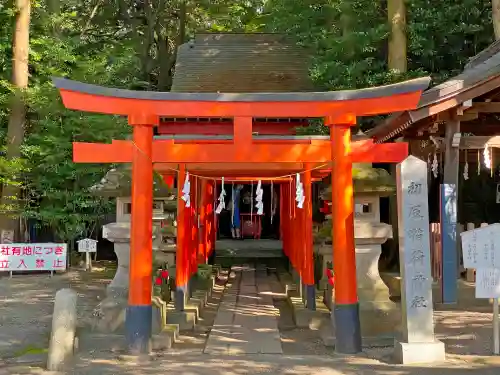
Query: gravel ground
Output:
(202,364)
(26,304)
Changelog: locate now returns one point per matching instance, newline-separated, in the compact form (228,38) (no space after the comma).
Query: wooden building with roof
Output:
(457,123)
(236,63)
(456,129)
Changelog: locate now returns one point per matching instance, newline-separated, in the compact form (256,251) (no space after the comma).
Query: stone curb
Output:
(187,319)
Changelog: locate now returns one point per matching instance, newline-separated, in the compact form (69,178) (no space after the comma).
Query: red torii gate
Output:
(244,157)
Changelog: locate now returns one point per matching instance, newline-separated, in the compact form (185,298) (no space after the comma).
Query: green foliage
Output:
(348,39)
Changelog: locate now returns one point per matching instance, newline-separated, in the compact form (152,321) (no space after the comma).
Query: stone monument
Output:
(417,342)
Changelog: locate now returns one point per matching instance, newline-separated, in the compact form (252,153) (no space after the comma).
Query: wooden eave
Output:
(472,83)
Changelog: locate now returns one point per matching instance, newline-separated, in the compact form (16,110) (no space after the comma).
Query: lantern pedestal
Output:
(109,315)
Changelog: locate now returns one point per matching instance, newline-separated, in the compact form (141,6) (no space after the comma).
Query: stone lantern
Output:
(117,184)
(379,315)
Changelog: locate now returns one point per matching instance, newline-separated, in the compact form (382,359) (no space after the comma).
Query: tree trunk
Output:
(54,9)
(17,119)
(397,63)
(147,41)
(53,6)
(167,50)
(182,24)
(495,5)
(396,12)
(346,27)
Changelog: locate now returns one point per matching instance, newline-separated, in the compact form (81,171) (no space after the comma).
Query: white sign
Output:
(87,245)
(7,236)
(488,283)
(33,257)
(480,251)
(480,247)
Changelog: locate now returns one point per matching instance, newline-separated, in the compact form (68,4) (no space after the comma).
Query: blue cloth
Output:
(236,208)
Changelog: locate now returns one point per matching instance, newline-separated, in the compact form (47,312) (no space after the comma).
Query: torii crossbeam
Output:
(339,109)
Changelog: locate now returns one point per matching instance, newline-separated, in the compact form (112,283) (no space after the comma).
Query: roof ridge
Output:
(484,55)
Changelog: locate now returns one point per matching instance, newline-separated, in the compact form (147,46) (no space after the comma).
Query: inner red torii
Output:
(242,156)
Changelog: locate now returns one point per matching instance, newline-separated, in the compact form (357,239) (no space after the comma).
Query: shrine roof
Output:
(406,87)
(484,55)
(232,63)
(480,76)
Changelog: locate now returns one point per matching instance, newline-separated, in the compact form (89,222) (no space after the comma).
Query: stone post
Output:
(417,343)
(119,234)
(62,337)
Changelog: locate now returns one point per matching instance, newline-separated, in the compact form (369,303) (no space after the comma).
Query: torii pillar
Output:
(138,320)
(345,314)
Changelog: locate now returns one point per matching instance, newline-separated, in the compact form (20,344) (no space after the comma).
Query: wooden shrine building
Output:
(456,128)
(289,160)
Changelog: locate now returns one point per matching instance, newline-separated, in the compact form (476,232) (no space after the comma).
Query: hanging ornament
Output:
(222,199)
(186,189)
(466,167)
(487,157)
(259,205)
(299,192)
(435,166)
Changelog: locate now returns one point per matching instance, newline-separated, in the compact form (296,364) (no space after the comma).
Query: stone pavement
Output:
(246,322)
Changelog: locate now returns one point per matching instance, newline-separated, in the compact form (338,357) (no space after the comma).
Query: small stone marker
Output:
(62,339)
(417,343)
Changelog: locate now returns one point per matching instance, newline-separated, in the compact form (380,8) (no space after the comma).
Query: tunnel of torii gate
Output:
(246,157)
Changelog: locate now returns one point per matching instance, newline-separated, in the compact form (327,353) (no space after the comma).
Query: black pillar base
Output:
(138,326)
(190,286)
(180,298)
(347,329)
(311,297)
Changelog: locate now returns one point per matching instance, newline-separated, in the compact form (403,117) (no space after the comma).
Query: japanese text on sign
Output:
(414,252)
(87,245)
(416,236)
(488,283)
(32,257)
(479,247)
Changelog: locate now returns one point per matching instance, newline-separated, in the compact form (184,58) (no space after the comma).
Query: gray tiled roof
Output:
(477,73)
(236,63)
(481,68)
(484,55)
